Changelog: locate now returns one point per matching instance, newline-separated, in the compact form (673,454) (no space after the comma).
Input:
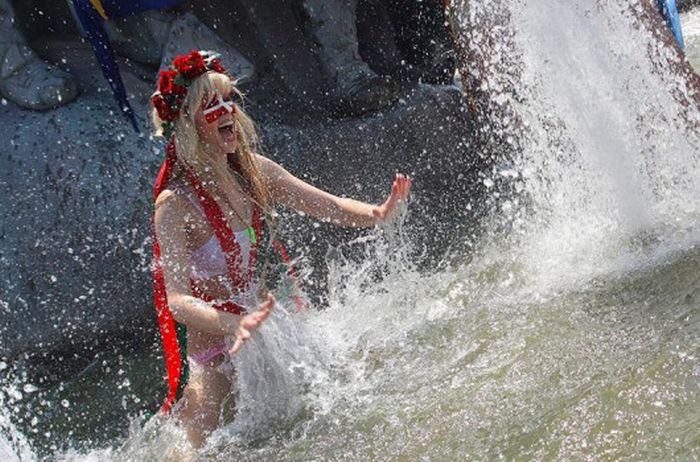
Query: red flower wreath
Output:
(191,65)
(173,83)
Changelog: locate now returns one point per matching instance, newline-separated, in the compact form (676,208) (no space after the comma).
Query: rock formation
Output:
(75,183)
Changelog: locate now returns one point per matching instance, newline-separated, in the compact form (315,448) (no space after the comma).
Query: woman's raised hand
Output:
(250,322)
(399,193)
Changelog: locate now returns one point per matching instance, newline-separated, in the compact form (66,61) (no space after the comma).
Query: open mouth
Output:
(227,131)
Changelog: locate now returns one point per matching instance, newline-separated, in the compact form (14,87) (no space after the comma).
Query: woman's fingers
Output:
(402,186)
(262,311)
(236,346)
(258,318)
(405,183)
(267,304)
(243,334)
(400,189)
(265,308)
(251,321)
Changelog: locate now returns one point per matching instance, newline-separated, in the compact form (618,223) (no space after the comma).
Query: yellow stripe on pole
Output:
(100,9)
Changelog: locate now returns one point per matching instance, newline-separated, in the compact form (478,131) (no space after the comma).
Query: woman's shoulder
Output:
(169,199)
(260,160)
(173,210)
(268,167)
(175,199)
(173,196)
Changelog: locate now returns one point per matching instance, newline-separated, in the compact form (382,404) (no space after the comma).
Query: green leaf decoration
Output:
(167,129)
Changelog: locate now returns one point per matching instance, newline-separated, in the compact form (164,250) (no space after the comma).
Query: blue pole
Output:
(670,12)
(91,15)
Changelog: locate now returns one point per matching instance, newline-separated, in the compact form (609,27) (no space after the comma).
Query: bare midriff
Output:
(199,341)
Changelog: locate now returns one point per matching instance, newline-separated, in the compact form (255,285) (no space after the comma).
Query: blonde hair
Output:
(187,138)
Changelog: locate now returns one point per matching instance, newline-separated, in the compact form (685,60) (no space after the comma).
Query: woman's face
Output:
(215,120)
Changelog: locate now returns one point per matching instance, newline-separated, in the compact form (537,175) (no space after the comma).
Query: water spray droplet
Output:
(29,388)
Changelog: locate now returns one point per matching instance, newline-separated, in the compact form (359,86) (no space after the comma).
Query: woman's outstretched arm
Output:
(292,192)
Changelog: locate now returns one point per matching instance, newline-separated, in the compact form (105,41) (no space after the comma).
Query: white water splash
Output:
(14,446)
(610,167)
(691,33)
(274,372)
(469,362)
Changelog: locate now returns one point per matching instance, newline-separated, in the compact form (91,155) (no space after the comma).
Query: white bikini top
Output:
(209,260)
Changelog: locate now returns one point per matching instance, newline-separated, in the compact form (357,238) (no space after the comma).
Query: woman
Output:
(212,195)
